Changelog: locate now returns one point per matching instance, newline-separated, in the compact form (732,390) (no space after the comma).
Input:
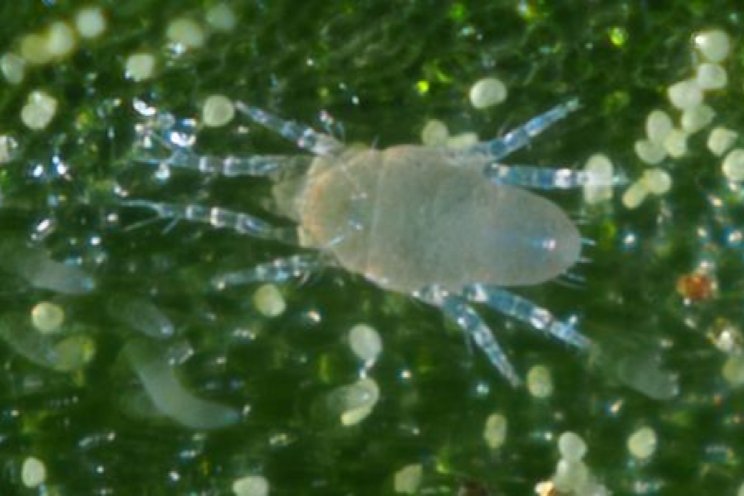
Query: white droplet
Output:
(696,118)
(33,472)
(675,143)
(540,381)
(139,66)
(13,68)
(714,44)
(8,148)
(494,432)
(649,151)
(642,443)
(733,165)
(365,342)
(186,33)
(711,76)
(90,22)
(685,94)
(47,317)
(354,402)
(39,110)
(217,111)
(721,139)
(657,181)
(487,92)
(408,479)
(60,39)
(634,195)
(251,485)
(733,370)
(221,17)
(269,301)
(34,49)
(658,125)
(434,133)
(571,446)
(570,475)
(462,140)
(599,168)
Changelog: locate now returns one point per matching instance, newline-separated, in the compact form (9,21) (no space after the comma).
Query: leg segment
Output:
(158,146)
(524,310)
(469,321)
(219,217)
(279,270)
(303,136)
(521,136)
(529,176)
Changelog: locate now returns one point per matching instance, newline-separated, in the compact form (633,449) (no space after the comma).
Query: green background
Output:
(381,69)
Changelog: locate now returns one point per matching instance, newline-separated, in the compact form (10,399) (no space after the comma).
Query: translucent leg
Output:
(457,309)
(529,176)
(279,270)
(524,310)
(303,136)
(155,149)
(219,217)
(521,136)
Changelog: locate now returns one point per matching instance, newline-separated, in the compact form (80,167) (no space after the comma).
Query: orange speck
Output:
(696,286)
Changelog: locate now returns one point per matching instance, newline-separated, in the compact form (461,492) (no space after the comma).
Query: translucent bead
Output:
(540,381)
(657,181)
(186,33)
(658,126)
(600,169)
(269,301)
(90,22)
(408,479)
(642,443)
(720,140)
(217,111)
(711,76)
(675,143)
(221,17)
(39,110)
(33,472)
(714,44)
(571,446)
(60,39)
(434,133)
(494,432)
(47,317)
(634,195)
(649,151)
(13,68)
(365,342)
(139,66)
(733,370)
(251,485)
(569,475)
(487,92)
(696,118)
(733,165)
(685,94)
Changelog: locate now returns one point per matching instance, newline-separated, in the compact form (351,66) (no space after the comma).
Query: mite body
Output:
(449,227)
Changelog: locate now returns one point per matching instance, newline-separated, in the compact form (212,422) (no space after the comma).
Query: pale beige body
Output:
(410,216)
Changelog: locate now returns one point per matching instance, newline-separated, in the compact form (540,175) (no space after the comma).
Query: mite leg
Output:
(303,136)
(279,270)
(218,217)
(521,136)
(457,309)
(524,310)
(162,144)
(529,176)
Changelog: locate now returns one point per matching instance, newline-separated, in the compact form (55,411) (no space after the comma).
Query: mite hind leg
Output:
(525,311)
(457,309)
